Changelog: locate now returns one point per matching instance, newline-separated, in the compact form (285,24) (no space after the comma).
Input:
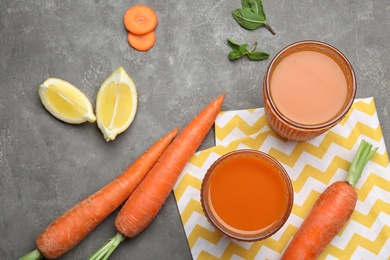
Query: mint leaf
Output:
(257,56)
(255,6)
(248,19)
(243,49)
(235,54)
(251,16)
(233,44)
(260,9)
(246,4)
(240,50)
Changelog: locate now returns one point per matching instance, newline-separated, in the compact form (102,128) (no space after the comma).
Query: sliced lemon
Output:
(116,104)
(66,102)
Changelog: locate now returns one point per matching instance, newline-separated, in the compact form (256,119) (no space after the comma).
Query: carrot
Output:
(69,229)
(330,212)
(142,42)
(146,201)
(140,19)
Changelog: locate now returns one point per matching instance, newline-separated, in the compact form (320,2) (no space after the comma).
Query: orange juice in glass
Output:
(308,88)
(247,195)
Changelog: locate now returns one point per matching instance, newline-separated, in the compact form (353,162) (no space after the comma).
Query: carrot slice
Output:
(142,42)
(140,19)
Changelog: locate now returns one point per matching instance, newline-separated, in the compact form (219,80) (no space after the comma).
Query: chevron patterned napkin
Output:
(312,166)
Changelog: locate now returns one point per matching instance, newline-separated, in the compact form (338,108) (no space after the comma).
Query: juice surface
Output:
(308,87)
(247,193)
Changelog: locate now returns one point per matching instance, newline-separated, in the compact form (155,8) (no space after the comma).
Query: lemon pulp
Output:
(116,104)
(66,102)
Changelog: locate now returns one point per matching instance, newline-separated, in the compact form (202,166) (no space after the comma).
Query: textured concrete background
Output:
(47,166)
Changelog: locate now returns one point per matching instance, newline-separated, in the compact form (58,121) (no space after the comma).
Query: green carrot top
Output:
(363,155)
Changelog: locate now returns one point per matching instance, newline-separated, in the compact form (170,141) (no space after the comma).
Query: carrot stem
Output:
(106,250)
(363,155)
(33,255)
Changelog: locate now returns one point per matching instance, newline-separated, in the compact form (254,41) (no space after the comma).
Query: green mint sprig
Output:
(251,16)
(240,50)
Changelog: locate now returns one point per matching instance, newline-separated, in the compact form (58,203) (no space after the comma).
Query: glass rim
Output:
(350,98)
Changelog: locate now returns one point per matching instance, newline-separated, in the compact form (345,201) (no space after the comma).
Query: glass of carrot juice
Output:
(247,195)
(308,88)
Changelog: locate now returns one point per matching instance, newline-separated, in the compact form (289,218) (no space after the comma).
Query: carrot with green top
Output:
(146,201)
(74,225)
(330,212)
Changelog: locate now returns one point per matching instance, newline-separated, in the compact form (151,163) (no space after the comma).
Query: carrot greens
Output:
(106,250)
(33,255)
(363,155)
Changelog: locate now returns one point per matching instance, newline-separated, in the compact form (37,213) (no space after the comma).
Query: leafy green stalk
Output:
(240,50)
(363,155)
(106,250)
(33,255)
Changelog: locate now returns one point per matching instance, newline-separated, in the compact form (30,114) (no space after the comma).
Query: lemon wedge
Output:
(65,102)
(116,104)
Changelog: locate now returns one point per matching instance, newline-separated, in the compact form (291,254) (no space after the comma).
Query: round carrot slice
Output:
(140,19)
(142,42)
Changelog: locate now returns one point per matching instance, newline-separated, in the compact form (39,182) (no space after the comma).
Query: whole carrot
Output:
(146,201)
(74,225)
(330,212)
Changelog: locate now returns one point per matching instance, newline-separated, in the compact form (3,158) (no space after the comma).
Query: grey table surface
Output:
(47,166)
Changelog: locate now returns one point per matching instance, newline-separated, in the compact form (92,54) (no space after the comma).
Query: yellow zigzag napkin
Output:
(312,166)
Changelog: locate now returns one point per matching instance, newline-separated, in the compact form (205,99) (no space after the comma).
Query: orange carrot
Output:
(142,42)
(327,217)
(146,201)
(330,212)
(69,229)
(140,19)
